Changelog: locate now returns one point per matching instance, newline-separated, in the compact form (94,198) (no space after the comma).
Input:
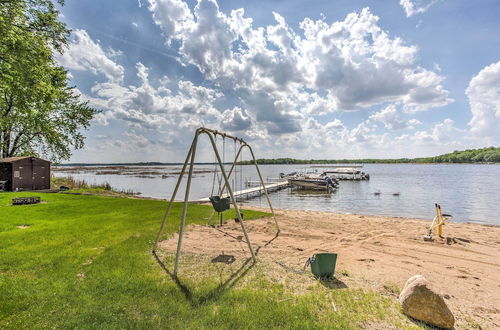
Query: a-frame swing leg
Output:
(184,208)
(169,207)
(236,208)
(265,189)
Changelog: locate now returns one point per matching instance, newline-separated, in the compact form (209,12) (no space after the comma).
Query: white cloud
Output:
(444,132)
(414,122)
(413,7)
(173,16)
(153,106)
(129,145)
(354,63)
(236,119)
(391,119)
(282,86)
(83,54)
(484,99)
(335,124)
(313,104)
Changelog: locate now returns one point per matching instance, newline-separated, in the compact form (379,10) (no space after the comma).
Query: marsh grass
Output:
(82,186)
(86,262)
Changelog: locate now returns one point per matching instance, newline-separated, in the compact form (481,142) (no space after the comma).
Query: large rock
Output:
(420,301)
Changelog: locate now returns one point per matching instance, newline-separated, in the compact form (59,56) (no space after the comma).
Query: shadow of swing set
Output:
(219,203)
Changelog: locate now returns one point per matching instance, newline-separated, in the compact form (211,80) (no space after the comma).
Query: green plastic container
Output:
(323,265)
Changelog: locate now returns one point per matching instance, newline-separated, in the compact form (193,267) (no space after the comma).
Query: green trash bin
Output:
(323,265)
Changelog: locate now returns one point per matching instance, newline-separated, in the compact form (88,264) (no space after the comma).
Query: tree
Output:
(39,113)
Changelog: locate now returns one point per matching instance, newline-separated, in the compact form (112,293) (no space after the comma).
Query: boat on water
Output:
(343,172)
(311,181)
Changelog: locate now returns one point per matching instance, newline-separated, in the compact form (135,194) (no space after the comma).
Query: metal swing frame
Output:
(190,159)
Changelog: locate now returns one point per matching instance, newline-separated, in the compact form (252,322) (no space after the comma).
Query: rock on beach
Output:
(420,301)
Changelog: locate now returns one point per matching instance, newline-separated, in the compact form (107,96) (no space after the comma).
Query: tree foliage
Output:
(39,113)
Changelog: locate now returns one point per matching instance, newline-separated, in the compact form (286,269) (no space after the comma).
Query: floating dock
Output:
(254,191)
(250,183)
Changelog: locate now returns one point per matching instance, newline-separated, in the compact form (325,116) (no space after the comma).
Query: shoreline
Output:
(377,252)
(277,210)
(263,209)
(419,189)
(228,163)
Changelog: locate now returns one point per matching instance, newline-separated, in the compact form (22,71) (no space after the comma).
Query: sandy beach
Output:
(374,252)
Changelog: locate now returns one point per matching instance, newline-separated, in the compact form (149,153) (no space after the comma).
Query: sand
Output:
(373,251)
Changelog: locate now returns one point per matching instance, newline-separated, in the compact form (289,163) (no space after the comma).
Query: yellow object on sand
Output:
(439,222)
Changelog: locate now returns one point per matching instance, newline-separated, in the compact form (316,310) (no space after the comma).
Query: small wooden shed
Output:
(24,173)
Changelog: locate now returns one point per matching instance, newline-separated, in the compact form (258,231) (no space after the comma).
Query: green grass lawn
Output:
(86,262)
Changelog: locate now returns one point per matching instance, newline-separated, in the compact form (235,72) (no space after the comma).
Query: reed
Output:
(82,186)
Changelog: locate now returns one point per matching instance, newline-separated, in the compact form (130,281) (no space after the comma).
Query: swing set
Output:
(220,202)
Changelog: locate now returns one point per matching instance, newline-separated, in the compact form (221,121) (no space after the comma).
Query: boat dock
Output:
(250,183)
(343,172)
(253,191)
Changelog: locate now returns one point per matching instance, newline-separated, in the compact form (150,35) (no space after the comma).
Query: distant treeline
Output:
(485,155)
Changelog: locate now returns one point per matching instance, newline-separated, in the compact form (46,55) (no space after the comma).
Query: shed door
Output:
(23,174)
(6,175)
(40,177)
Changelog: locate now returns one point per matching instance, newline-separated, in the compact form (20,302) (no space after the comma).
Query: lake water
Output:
(469,192)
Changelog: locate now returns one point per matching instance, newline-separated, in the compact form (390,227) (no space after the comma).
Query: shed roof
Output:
(15,159)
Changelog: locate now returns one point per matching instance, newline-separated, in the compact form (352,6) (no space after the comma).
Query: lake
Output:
(469,192)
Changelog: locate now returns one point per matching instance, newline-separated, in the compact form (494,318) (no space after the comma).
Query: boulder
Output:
(420,300)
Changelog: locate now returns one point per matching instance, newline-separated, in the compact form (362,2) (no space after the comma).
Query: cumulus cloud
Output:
(236,119)
(173,16)
(129,145)
(413,7)
(352,64)
(84,54)
(391,119)
(361,65)
(442,133)
(484,99)
(153,106)
(284,85)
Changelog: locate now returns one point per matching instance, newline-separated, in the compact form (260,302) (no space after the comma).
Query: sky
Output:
(302,79)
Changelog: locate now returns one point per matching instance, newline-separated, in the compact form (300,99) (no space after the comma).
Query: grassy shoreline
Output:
(85,261)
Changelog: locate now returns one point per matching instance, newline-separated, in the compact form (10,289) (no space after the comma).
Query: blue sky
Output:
(302,79)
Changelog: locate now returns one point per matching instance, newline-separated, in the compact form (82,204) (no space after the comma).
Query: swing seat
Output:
(220,204)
